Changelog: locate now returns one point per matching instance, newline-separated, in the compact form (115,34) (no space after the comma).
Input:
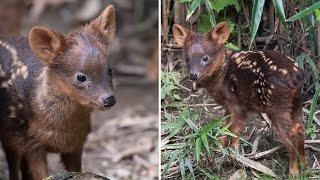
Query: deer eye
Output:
(205,58)
(81,78)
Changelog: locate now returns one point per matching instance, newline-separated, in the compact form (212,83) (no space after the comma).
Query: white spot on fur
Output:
(18,67)
(283,71)
(272,86)
(273,67)
(290,59)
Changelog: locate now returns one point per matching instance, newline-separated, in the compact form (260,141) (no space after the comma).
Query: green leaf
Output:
(209,126)
(173,156)
(184,1)
(278,4)
(312,33)
(317,13)
(177,96)
(219,5)
(190,167)
(305,12)
(204,23)
(204,141)
(255,19)
(198,149)
(313,106)
(182,166)
(211,15)
(194,5)
(232,47)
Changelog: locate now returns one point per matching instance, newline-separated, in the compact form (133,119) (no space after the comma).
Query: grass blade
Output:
(278,5)
(190,167)
(198,149)
(204,141)
(255,19)
(305,12)
(212,17)
(194,5)
(313,106)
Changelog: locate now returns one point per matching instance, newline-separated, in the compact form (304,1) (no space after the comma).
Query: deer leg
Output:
(224,140)
(291,132)
(13,159)
(299,132)
(25,172)
(72,161)
(237,122)
(37,163)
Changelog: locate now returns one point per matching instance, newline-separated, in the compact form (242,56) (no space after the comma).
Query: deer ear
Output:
(180,33)
(221,33)
(105,23)
(45,42)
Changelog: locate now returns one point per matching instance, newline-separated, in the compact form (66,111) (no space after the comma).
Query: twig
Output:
(312,141)
(311,147)
(184,87)
(173,46)
(267,152)
(254,146)
(196,105)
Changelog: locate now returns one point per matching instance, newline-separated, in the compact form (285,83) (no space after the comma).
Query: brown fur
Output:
(248,81)
(56,106)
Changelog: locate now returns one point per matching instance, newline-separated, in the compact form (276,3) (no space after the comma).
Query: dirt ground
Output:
(124,141)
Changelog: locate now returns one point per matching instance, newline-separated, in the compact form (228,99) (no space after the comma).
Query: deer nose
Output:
(193,76)
(109,101)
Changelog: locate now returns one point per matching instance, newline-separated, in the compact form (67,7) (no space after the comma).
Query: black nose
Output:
(193,76)
(108,101)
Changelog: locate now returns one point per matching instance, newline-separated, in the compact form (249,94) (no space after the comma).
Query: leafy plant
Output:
(196,141)
(169,82)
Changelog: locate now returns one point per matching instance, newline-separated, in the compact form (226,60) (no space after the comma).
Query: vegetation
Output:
(192,122)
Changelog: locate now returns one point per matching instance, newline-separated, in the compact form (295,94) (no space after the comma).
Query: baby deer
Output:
(248,81)
(48,89)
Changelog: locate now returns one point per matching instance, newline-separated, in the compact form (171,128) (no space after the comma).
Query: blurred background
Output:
(124,141)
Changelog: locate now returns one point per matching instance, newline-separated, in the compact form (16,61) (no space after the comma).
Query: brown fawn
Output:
(48,89)
(248,81)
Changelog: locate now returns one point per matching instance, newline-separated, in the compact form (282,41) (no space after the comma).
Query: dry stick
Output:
(254,146)
(253,164)
(173,46)
(184,87)
(316,164)
(311,147)
(165,19)
(274,149)
(267,152)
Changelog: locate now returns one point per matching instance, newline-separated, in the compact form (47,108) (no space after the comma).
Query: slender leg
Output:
(37,163)
(291,132)
(25,171)
(224,140)
(72,161)
(237,122)
(13,158)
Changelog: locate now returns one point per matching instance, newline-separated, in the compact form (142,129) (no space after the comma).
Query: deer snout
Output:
(108,101)
(193,76)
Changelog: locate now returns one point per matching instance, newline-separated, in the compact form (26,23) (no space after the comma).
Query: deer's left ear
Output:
(105,23)
(221,33)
